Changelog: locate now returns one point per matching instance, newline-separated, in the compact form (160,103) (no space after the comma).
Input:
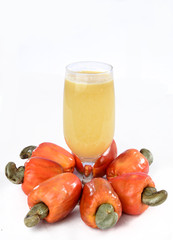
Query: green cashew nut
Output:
(147,154)
(106,217)
(27,152)
(151,197)
(14,174)
(37,213)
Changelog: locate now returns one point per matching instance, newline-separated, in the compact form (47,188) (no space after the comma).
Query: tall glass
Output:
(89,109)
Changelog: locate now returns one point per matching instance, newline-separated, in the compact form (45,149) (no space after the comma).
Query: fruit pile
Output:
(119,184)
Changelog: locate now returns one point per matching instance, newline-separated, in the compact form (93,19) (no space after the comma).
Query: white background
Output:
(37,40)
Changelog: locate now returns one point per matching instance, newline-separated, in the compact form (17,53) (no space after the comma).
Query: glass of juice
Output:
(89,109)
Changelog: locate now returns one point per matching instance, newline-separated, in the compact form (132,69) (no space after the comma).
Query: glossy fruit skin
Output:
(78,164)
(100,166)
(129,161)
(38,170)
(129,188)
(87,170)
(95,193)
(55,153)
(60,193)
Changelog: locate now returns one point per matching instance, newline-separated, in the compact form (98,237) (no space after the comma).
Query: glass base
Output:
(82,177)
(86,179)
(88,160)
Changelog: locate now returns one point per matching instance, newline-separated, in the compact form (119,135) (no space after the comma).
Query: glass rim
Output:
(71,71)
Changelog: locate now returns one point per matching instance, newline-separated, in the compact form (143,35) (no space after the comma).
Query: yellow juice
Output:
(89,112)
